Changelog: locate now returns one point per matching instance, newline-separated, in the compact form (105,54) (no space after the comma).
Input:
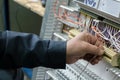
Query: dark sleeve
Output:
(28,50)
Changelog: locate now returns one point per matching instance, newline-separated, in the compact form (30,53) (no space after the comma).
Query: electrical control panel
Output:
(65,19)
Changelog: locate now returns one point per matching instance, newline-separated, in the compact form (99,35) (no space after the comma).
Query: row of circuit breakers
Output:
(72,20)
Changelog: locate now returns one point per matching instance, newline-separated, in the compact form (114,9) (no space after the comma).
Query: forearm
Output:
(28,50)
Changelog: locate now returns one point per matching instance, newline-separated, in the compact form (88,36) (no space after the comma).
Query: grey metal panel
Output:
(49,20)
(39,73)
(98,12)
(49,26)
(47,30)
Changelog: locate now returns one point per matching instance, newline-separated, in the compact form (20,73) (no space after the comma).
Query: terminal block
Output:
(111,56)
(73,33)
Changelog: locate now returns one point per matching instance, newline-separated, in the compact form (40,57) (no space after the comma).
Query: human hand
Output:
(84,46)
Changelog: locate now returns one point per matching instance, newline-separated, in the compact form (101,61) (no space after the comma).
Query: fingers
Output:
(93,49)
(88,57)
(92,39)
(85,36)
(86,46)
(92,58)
(99,43)
(96,60)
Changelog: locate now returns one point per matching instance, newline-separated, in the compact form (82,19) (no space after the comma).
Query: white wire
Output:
(112,32)
(112,39)
(79,78)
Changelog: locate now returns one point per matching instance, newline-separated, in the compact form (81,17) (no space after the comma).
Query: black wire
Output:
(16,16)
(6,14)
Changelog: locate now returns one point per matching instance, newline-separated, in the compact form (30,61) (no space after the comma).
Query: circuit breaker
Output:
(64,19)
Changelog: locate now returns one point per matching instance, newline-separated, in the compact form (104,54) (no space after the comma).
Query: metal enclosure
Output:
(51,29)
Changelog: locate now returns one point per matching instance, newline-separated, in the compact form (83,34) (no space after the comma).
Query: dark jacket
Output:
(28,50)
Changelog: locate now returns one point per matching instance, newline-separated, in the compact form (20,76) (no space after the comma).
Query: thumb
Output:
(92,49)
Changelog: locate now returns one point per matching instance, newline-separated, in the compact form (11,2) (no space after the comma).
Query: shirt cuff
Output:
(56,54)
